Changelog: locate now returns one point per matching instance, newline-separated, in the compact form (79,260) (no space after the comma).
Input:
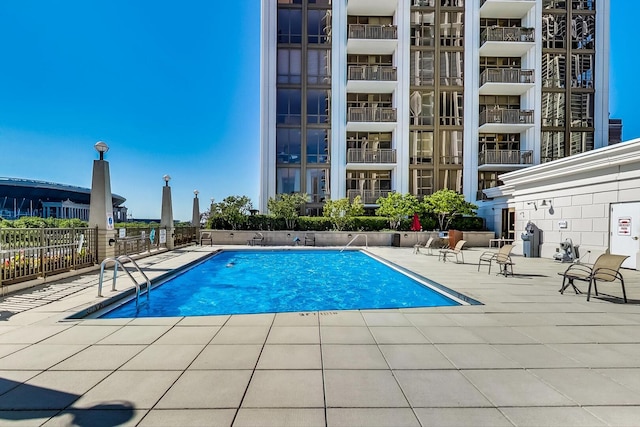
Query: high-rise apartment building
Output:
(366,97)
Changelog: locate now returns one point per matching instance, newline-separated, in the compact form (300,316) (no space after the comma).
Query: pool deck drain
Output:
(527,356)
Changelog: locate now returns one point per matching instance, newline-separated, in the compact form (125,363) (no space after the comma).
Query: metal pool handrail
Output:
(366,241)
(118,261)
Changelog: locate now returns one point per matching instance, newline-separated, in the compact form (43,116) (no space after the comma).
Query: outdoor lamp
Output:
(166,178)
(101,147)
(196,192)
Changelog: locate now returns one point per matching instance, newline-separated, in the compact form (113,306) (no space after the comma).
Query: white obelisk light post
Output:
(195,217)
(166,220)
(101,205)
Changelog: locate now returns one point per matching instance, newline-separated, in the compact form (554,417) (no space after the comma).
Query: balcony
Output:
(371,79)
(505,8)
(506,81)
(367,157)
(506,41)
(372,7)
(505,121)
(504,159)
(369,197)
(372,39)
(371,119)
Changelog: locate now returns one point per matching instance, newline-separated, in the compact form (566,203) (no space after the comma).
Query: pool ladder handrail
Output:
(366,241)
(119,262)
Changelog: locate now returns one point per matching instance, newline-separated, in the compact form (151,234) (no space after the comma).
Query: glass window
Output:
(451,179)
(420,147)
(582,107)
(553,109)
(421,107)
(319,26)
(582,70)
(289,65)
(318,105)
(422,28)
(421,182)
(554,70)
(451,67)
(583,30)
(451,107)
(552,146)
(422,68)
(581,142)
(317,146)
(288,145)
(319,66)
(287,180)
(316,184)
(289,26)
(451,29)
(450,147)
(288,106)
(583,4)
(554,30)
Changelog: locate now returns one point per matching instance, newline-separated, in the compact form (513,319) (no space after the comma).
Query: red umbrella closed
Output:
(415,225)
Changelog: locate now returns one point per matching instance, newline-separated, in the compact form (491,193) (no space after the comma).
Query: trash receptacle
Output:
(396,240)
(454,237)
(531,241)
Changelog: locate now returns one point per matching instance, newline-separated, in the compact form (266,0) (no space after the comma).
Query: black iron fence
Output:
(28,253)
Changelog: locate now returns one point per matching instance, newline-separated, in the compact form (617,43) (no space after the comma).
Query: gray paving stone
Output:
(342,318)
(352,357)
(286,356)
(450,335)
(241,335)
(142,334)
(537,356)
(39,357)
(206,390)
(25,418)
(188,417)
(99,358)
(189,335)
(107,415)
(415,356)
(294,335)
(398,335)
(281,417)
(551,417)
(158,357)
(285,389)
(364,417)
(620,416)
(346,335)
(223,356)
(462,417)
(476,356)
(363,389)
(439,388)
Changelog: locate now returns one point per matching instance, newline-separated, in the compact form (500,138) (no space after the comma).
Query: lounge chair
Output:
(605,269)
(206,236)
(309,239)
(457,250)
(488,257)
(257,239)
(427,245)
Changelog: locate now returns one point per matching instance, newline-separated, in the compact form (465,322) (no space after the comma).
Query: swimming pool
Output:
(268,281)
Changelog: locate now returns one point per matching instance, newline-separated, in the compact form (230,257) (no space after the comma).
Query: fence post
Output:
(42,252)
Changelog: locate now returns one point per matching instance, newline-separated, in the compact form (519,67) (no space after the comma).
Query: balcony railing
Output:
(506,116)
(507,34)
(358,155)
(368,196)
(372,72)
(371,114)
(506,75)
(373,32)
(482,2)
(505,157)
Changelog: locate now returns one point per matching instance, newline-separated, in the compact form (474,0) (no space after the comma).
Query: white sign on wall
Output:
(624,226)
(122,233)
(110,225)
(163,236)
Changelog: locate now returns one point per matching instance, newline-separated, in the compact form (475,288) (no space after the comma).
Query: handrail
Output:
(118,261)
(366,241)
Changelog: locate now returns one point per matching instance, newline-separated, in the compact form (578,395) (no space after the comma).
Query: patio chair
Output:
(309,239)
(427,245)
(487,257)
(257,239)
(457,250)
(206,236)
(605,269)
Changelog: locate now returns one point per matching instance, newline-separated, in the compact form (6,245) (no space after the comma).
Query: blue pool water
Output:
(243,282)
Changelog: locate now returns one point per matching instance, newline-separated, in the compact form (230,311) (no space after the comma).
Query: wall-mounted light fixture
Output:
(544,203)
(535,206)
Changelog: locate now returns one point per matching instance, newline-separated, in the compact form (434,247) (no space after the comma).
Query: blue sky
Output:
(172,88)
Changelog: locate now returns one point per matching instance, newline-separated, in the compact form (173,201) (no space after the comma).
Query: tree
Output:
(396,207)
(233,209)
(447,204)
(287,206)
(342,210)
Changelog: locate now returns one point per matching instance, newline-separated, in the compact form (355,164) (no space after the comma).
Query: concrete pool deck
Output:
(527,357)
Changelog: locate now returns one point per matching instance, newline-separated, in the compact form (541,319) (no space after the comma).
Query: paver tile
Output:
(439,388)
(294,335)
(285,389)
(398,335)
(158,357)
(352,357)
(241,335)
(279,417)
(228,356)
(286,356)
(551,417)
(379,417)
(476,356)
(462,417)
(346,335)
(415,356)
(189,335)
(363,389)
(188,417)
(99,357)
(39,357)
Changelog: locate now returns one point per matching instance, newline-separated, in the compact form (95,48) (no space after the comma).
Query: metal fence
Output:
(145,239)
(28,253)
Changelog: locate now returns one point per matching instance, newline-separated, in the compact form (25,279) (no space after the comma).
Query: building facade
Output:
(366,97)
